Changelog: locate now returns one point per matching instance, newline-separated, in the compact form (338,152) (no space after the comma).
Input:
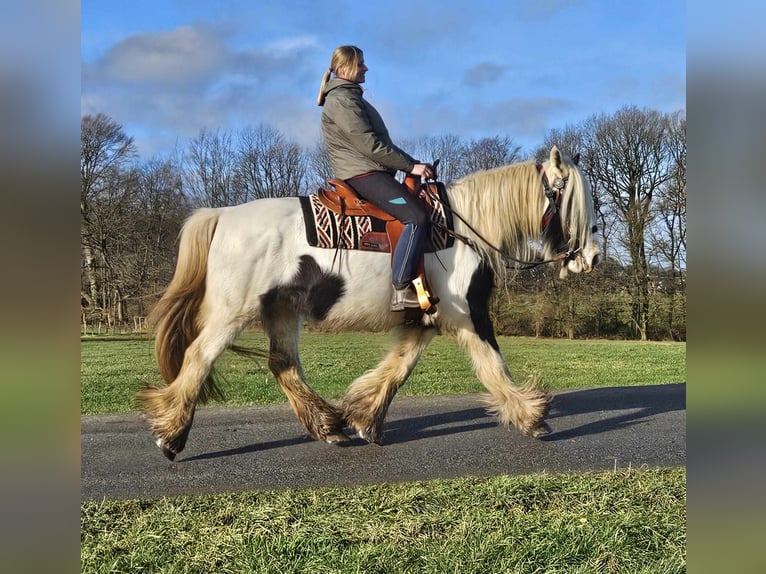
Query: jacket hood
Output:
(339,83)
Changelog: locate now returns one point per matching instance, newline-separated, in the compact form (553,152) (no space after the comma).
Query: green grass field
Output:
(630,521)
(113,369)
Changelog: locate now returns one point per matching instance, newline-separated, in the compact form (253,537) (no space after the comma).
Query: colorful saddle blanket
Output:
(327,229)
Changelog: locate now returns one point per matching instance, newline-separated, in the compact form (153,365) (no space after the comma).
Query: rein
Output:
(554,201)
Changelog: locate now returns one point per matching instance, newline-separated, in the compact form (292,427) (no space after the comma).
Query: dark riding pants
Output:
(384,191)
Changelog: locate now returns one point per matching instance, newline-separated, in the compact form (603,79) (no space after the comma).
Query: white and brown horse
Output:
(237,265)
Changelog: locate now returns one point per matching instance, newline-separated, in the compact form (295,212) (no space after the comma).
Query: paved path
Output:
(236,449)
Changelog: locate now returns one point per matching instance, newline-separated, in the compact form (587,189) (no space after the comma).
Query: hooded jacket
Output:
(357,140)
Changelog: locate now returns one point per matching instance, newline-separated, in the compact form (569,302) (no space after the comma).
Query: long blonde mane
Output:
(505,206)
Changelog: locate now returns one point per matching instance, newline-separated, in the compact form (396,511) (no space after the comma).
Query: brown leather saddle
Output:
(343,200)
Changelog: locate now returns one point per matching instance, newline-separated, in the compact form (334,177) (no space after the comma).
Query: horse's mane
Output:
(505,204)
(577,207)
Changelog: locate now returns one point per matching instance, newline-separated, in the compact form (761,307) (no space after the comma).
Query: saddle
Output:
(344,201)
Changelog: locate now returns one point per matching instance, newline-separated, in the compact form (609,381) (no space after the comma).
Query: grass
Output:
(114,368)
(625,521)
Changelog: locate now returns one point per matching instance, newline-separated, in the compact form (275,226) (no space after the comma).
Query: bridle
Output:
(554,194)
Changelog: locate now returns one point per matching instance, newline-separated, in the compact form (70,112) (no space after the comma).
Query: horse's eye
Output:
(594,229)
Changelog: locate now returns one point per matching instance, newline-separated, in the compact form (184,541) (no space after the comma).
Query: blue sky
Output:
(165,69)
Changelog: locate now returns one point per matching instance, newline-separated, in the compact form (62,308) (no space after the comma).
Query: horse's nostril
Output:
(594,261)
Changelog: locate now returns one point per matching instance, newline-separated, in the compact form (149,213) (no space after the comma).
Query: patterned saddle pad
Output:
(330,230)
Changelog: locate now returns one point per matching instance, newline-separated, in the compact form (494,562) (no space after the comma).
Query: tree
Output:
(446,148)
(628,160)
(104,150)
(210,169)
(158,210)
(269,165)
(635,161)
(319,167)
(488,153)
(669,236)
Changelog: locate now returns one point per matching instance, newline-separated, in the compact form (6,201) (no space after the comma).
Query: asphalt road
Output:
(239,449)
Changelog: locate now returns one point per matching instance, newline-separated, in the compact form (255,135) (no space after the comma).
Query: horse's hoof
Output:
(541,430)
(370,437)
(170,454)
(338,438)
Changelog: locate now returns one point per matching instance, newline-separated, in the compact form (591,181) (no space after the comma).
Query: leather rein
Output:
(552,192)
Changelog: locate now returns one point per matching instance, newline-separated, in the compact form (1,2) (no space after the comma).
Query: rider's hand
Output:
(424,170)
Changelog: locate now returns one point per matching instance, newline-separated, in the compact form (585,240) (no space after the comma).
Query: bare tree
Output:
(319,168)
(104,151)
(635,161)
(669,235)
(487,153)
(269,165)
(210,168)
(158,211)
(130,216)
(628,160)
(570,140)
(446,148)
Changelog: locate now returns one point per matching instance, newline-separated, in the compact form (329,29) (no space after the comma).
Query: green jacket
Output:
(357,140)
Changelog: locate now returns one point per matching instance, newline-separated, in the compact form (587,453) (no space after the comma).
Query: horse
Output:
(240,264)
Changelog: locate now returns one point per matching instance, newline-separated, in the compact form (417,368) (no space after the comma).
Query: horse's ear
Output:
(576,159)
(555,157)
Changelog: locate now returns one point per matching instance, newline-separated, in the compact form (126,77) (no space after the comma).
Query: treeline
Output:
(132,210)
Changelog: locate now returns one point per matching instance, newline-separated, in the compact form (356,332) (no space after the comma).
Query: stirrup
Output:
(403,299)
(426,301)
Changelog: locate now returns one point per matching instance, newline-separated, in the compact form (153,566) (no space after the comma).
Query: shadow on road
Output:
(250,448)
(429,426)
(642,402)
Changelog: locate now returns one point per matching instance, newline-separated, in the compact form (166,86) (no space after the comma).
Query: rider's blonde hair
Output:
(344,58)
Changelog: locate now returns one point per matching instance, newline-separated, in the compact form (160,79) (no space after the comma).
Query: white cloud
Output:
(292,45)
(180,57)
(177,82)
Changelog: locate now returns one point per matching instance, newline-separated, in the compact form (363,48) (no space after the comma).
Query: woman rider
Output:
(362,154)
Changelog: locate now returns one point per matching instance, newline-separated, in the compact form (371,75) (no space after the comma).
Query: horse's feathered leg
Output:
(523,407)
(170,409)
(188,340)
(322,420)
(367,399)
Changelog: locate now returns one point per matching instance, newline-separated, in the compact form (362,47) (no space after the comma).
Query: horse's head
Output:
(569,225)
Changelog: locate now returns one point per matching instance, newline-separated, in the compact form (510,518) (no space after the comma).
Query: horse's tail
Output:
(175,317)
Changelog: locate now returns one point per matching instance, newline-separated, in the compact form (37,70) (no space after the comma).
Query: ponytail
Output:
(325,78)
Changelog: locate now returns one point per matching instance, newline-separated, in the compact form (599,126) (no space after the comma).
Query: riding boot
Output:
(404,299)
